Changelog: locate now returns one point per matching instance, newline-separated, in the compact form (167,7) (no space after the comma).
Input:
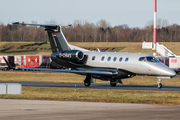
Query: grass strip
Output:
(96,95)
(74,78)
(134,47)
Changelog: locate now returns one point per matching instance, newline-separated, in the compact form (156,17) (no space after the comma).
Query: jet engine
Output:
(71,55)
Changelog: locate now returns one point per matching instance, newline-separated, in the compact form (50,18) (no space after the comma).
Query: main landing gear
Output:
(159,84)
(113,83)
(87,81)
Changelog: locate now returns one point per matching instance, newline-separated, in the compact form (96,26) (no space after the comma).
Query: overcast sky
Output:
(135,13)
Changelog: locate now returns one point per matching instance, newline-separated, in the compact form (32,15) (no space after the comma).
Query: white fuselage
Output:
(132,64)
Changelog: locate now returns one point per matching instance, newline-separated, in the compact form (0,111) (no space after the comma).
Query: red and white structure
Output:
(155,20)
(167,56)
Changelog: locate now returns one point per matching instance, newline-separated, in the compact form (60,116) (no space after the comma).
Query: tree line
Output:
(90,32)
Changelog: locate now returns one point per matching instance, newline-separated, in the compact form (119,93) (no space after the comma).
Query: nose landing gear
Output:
(159,84)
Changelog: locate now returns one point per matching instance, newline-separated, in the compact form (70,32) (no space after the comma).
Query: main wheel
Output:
(87,84)
(88,79)
(159,85)
(113,84)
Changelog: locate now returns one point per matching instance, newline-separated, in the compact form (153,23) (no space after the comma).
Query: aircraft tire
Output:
(159,85)
(87,84)
(112,84)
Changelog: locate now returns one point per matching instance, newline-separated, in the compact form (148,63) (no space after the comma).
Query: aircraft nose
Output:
(169,72)
(172,73)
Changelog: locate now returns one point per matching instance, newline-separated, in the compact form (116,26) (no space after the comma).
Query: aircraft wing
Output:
(69,71)
(61,70)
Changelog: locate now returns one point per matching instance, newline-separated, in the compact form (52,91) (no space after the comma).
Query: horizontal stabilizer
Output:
(42,25)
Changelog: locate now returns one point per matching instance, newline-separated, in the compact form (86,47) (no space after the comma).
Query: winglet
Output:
(98,50)
(9,66)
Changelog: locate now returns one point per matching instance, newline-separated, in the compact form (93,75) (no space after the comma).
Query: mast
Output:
(155,34)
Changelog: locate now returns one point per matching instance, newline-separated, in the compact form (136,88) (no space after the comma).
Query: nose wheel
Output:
(159,84)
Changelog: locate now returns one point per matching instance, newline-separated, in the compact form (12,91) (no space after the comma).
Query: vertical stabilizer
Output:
(57,40)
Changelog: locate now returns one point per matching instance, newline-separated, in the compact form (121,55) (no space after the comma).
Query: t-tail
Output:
(59,45)
(56,37)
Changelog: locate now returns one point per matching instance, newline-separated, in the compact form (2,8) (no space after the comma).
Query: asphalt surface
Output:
(97,86)
(63,110)
(55,110)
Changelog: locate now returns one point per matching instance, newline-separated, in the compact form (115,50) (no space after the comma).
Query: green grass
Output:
(98,95)
(134,47)
(109,48)
(119,47)
(74,78)
(6,51)
(34,44)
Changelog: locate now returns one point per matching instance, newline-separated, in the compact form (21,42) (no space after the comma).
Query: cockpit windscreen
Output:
(148,59)
(151,59)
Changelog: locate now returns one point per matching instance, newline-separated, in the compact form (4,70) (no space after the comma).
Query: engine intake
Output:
(71,55)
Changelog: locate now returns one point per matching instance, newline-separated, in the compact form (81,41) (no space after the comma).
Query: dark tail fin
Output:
(57,40)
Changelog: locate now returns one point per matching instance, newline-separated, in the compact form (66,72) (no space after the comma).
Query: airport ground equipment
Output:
(161,49)
(30,61)
(10,88)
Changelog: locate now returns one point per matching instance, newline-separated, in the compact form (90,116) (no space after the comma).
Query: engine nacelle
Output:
(71,55)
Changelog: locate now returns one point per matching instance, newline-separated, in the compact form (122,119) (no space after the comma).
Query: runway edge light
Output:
(75,87)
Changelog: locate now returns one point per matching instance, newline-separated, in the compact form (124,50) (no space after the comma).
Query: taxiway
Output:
(98,86)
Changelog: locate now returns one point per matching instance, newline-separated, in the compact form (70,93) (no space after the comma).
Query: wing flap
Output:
(70,71)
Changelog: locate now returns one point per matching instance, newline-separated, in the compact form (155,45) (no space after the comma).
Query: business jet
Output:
(109,66)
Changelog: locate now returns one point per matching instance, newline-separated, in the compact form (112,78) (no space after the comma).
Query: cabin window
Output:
(142,59)
(102,59)
(120,59)
(93,58)
(114,59)
(151,59)
(126,59)
(109,58)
